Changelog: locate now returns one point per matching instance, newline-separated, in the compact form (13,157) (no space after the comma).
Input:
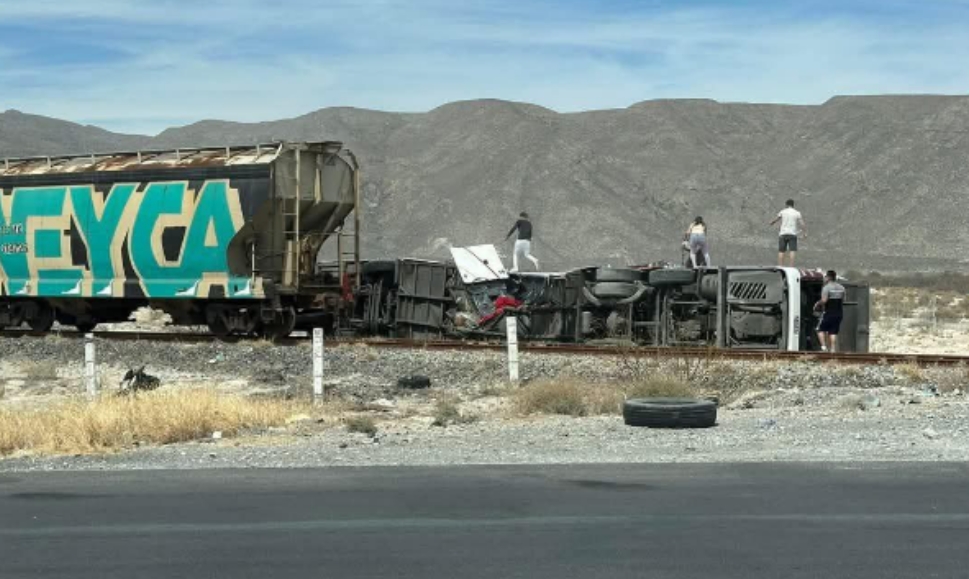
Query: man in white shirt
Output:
(792,225)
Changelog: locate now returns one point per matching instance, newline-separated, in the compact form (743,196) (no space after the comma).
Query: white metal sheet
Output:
(478,263)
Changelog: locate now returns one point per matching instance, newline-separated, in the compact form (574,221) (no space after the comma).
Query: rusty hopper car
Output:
(225,237)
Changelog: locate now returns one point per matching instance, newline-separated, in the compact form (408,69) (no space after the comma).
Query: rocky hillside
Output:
(882,181)
(22,134)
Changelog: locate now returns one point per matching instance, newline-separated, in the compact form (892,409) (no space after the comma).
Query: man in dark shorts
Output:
(832,308)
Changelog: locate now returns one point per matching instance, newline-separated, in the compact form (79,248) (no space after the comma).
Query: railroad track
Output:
(867,358)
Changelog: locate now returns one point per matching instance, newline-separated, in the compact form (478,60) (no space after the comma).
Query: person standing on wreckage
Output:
(696,235)
(523,245)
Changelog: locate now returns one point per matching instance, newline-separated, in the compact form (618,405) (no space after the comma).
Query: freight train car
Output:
(225,237)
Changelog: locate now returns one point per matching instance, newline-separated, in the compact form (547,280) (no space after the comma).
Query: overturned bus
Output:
(768,308)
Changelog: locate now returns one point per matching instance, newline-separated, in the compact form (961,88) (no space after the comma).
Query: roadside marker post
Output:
(318,364)
(90,367)
(512,325)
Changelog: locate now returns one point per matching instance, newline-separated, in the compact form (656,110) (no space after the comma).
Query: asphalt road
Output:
(671,521)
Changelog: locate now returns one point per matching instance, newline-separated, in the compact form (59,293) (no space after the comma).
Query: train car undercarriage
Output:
(469,297)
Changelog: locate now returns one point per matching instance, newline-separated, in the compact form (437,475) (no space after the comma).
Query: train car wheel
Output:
(85,327)
(281,327)
(216,322)
(43,319)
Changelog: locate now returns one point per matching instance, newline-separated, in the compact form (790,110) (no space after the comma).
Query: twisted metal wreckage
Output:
(770,308)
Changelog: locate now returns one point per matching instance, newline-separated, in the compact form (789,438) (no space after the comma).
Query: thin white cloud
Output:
(394,55)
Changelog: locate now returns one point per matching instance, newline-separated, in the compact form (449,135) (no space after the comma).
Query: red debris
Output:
(500,304)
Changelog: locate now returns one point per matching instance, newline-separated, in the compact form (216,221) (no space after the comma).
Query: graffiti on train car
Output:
(75,241)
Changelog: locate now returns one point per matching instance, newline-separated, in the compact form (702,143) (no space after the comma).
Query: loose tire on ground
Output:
(415,382)
(671,277)
(608,274)
(614,289)
(670,412)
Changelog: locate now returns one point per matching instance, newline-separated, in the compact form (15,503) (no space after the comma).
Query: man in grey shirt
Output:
(832,310)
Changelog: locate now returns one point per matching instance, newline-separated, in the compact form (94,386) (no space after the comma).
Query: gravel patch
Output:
(937,430)
(770,411)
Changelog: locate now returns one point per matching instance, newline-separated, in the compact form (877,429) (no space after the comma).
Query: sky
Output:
(139,66)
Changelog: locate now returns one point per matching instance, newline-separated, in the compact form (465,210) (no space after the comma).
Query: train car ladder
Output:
(291,233)
(349,260)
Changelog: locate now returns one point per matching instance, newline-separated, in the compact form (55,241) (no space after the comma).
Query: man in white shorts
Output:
(792,224)
(523,246)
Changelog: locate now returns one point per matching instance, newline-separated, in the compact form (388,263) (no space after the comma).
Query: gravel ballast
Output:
(773,412)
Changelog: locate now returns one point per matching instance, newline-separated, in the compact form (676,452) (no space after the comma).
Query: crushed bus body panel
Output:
(765,308)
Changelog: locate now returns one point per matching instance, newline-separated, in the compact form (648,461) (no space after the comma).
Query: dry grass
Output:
(555,396)
(364,351)
(112,423)
(362,424)
(911,372)
(929,307)
(949,379)
(498,389)
(39,371)
(447,411)
(574,397)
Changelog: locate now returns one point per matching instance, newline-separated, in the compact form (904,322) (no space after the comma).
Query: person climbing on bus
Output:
(792,224)
(523,245)
(697,236)
(831,306)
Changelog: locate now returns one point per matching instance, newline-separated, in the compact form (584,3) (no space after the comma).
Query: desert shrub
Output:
(554,396)
(910,372)
(575,397)
(446,411)
(660,386)
(362,424)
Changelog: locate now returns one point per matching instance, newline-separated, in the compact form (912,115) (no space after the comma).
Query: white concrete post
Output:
(317,363)
(90,366)
(512,325)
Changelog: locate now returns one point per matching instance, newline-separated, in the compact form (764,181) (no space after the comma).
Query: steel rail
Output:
(632,351)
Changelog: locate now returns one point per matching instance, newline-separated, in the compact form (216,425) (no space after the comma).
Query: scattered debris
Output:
(138,381)
(930,433)
(217,435)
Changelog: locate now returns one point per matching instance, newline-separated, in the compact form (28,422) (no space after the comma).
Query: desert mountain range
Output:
(882,181)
